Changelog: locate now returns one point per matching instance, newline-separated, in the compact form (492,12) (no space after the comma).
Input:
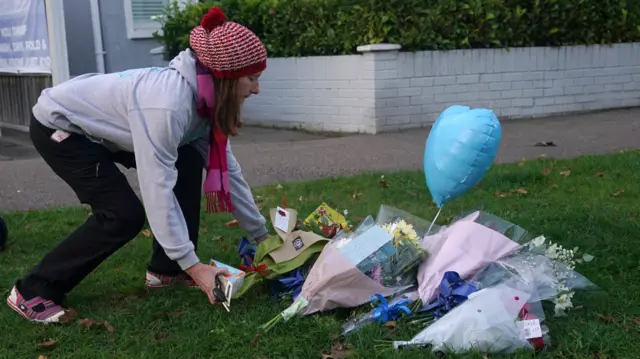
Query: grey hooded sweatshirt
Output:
(150,112)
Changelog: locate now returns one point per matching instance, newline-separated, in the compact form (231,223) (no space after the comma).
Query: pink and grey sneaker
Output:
(155,280)
(37,309)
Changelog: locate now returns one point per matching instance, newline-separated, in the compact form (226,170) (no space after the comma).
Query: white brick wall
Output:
(390,90)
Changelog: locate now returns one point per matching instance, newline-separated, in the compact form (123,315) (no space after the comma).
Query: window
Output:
(138,13)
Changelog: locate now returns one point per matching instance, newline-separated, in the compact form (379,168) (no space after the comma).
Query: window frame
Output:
(144,33)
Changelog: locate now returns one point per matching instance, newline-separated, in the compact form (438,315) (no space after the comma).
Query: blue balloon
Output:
(460,148)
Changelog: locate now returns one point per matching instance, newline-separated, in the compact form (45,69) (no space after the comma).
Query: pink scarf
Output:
(216,184)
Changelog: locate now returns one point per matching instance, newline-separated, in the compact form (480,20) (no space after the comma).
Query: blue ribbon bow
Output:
(453,291)
(384,313)
(247,251)
(294,282)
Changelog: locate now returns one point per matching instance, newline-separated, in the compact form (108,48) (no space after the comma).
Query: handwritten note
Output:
(282,220)
(529,329)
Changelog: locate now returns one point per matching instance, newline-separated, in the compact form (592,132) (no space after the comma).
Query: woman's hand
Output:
(262,238)
(205,277)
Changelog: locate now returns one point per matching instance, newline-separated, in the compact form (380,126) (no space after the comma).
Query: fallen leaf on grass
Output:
(391,325)
(146,233)
(232,223)
(501,194)
(203,230)
(600,174)
(617,193)
(565,173)
(255,339)
(356,195)
(160,335)
(339,350)
(554,186)
(169,314)
(520,190)
(90,323)
(384,183)
(43,357)
(607,318)
(217,238)
(546,171)
(49,343)
(109,327)
(69,316)
(598,355)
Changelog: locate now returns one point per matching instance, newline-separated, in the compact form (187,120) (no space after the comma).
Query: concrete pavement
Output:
(271,156)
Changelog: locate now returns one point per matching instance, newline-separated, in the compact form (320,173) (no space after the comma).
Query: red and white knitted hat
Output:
(227,49)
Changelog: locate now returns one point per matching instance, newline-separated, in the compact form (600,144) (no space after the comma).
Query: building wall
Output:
(391,90)
(121,53)
(78,26)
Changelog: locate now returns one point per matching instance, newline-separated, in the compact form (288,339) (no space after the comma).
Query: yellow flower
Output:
(403,232)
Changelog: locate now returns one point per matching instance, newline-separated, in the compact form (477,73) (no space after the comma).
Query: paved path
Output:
(270,156)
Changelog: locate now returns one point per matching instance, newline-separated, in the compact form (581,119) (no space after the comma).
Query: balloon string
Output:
(434,220)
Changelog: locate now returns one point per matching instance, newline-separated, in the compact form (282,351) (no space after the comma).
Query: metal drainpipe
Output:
(97,35)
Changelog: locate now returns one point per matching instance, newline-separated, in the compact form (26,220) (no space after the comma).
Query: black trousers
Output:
(117,213)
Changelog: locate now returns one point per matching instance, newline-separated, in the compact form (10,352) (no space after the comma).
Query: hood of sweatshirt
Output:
(185,64)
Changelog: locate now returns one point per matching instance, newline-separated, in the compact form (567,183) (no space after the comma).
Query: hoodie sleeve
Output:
(245,209)
(156,136)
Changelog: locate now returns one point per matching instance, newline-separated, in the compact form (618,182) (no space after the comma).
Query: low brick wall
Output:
(384,89)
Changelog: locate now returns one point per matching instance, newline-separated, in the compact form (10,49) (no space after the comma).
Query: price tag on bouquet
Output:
(529,329)
(282,220)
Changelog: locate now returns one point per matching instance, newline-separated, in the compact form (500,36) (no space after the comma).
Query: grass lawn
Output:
(590,202)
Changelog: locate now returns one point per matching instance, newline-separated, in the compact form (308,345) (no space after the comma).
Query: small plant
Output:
(177,23)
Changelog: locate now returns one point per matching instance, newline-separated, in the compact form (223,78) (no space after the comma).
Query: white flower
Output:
(537,242)
(562,303)
(345,212)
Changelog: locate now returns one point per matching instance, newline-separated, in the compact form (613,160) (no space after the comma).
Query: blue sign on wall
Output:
(24,41)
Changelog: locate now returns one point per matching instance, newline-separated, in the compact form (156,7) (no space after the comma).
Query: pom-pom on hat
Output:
(227,49)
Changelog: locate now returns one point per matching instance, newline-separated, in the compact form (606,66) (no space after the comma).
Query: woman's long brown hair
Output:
(227,112)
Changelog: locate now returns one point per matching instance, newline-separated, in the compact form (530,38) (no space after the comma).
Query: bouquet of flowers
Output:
(280,255)
(464,247)
(499,309)
(545,265)
(285,260)
(407,231)
(352,266)
(326,221)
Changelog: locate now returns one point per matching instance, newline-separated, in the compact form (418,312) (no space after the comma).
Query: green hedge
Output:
(332,27)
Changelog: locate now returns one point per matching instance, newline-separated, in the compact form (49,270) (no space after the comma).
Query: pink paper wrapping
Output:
(334,282)
(464,247)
